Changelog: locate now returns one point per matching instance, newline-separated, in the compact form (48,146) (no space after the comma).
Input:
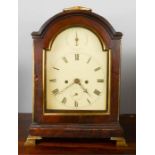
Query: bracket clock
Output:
(76,78)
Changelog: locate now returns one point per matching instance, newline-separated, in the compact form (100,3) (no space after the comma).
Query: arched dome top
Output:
(83,13)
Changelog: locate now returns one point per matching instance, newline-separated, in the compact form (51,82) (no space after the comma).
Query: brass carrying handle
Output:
(77,8)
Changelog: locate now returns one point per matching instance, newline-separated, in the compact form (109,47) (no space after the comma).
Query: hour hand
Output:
(84,89)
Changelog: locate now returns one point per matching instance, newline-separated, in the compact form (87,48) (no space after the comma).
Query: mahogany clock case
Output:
(77,125)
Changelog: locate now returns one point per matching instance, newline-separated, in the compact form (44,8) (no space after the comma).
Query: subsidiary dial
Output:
(76,38)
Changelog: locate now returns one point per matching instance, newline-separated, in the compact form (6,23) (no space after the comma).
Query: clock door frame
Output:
(60,125)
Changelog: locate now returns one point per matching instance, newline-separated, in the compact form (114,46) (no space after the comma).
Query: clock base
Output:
(109,130)
(31,140)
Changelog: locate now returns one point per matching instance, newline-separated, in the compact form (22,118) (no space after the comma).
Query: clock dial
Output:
(76,72)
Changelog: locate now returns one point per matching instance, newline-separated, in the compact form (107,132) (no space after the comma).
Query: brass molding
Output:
(77,8)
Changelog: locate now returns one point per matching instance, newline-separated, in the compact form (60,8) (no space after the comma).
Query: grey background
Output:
(120,13)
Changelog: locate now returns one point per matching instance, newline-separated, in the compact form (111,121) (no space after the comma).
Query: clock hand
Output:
(84,89)
(76,39)
(77,81)
(65,88)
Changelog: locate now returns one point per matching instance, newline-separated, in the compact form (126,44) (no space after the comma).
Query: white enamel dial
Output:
(76,72)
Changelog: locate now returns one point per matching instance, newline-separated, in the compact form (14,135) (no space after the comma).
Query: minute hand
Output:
(65,88)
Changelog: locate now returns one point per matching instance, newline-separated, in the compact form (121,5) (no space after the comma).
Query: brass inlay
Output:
(33,84)
(77,8)
(109,79)
(43,77)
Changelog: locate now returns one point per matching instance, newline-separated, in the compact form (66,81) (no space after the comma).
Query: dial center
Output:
(77,81)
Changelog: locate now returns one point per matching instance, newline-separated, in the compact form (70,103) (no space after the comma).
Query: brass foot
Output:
(120,141)
(31,140)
